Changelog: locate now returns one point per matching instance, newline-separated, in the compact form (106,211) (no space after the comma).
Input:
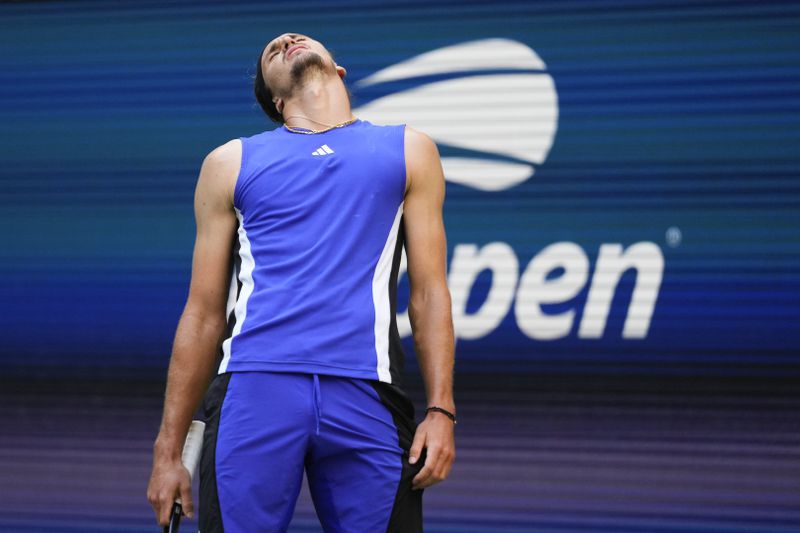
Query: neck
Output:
(321,101)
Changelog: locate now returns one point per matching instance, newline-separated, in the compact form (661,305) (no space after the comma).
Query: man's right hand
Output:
(169,480)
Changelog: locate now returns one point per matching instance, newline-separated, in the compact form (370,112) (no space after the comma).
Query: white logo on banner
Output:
(513,115)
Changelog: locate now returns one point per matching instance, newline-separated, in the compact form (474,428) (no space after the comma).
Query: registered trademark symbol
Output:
(674,236)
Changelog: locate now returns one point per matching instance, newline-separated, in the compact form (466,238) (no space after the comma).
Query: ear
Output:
(341,71)
(279,105)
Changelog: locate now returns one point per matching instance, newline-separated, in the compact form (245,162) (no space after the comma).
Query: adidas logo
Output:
(322,150)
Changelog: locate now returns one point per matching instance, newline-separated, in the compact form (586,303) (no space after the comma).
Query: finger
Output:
(155,503)
(164,510)
(433,479)
(447,468)
(446,463)
(440,473)
(431,461)
(156,509)
(441,460)
(419,480)
(186,500)
(416,446)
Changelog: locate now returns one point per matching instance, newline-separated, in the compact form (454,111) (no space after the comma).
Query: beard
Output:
(306,66)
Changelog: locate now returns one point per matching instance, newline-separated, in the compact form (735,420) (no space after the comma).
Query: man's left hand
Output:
(436,434)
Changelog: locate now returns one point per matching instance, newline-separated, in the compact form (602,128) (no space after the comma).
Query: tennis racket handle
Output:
(193,446)
(190,457)
(174,519)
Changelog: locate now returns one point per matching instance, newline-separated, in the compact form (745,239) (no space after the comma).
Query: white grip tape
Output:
(192,448)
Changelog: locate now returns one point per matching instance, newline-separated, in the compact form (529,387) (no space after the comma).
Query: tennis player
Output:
(292,309)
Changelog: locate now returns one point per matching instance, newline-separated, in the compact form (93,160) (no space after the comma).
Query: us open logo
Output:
(493,105)
(496,106)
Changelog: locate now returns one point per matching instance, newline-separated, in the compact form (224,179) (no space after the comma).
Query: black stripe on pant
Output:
(406,514)
(210,515)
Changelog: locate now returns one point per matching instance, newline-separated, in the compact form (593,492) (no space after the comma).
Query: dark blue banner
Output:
(622,176)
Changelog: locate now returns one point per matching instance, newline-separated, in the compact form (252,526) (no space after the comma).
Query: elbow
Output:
(430,296)
(205,316)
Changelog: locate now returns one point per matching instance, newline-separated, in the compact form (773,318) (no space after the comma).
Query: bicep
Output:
(216,227)
(426,246)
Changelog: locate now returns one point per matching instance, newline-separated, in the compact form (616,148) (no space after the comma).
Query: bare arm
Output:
(200,329)
(429,307)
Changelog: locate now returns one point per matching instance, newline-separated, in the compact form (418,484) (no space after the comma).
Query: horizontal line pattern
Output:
(539,453)
(671,114)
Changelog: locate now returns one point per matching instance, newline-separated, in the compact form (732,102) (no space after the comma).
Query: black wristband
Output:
(445,412)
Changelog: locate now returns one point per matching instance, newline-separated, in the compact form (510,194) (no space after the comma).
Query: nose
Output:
(288,41)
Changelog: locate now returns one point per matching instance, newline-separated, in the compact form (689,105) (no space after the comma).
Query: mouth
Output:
(293,49)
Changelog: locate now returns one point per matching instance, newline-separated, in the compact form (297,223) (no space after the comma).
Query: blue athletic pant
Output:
(350,436)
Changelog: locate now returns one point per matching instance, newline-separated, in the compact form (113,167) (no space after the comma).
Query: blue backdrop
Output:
(664,134)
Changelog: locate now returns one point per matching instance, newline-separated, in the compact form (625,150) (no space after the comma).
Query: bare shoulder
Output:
(224,159)
(422,157)
(220,170)
(419,144)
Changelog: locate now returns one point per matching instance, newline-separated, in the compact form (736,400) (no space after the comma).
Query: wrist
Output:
(445,401)
(166,450)
(442,412)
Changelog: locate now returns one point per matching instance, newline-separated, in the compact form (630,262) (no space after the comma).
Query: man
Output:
(293,296)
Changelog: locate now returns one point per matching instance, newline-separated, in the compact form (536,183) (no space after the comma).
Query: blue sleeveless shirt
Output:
(317,253)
